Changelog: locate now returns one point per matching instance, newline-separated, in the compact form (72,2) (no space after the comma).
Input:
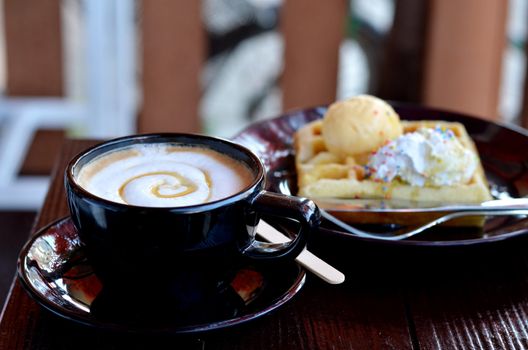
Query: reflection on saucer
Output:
(56,273)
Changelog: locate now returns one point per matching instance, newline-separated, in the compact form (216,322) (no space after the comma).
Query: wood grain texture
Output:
(475,302)
(14,229)
(313,31)
(364,313)
(464,50)
(21,314)
(351,316)
(33,47)
(523,118)
(393,298)
(173,53)
(400,75)
(42,152)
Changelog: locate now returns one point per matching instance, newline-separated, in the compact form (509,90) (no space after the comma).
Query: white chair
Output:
(108,110)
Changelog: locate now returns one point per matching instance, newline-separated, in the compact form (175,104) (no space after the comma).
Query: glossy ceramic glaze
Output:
(54,269)
(182,249)
(502,150)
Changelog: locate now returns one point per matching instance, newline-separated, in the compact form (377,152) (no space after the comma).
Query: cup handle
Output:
(301,209)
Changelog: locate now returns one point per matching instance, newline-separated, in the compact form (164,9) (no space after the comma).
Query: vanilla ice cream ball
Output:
(359,125)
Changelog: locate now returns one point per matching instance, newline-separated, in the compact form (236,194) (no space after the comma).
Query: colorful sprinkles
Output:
(447,134)
(392,149)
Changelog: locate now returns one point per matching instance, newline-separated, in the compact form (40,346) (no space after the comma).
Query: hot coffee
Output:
(164,175)
(193,206)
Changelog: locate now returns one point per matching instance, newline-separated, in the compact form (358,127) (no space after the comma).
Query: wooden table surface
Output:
(393,298)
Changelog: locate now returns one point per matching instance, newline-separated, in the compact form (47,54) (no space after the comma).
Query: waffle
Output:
(322,174)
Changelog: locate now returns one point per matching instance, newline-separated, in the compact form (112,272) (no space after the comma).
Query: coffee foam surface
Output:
(161,175)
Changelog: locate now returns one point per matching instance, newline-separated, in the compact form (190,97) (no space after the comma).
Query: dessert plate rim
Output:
(272,140)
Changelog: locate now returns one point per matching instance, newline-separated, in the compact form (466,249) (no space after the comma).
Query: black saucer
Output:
(55,272)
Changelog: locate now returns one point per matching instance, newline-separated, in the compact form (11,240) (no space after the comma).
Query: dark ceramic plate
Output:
(55,272)
(502,150)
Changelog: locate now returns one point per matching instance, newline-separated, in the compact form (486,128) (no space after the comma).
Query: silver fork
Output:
(500,207)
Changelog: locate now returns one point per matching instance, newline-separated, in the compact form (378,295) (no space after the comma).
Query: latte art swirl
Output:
(163,176)
(168,185)
(167,188)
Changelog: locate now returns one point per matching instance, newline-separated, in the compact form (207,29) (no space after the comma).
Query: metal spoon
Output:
(501,207)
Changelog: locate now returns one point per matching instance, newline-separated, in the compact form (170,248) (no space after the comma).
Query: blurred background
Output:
(106,68)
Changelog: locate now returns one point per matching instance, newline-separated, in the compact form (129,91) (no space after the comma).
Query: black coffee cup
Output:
(175,244)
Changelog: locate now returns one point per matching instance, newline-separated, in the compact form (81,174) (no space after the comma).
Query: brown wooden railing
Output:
(464,44)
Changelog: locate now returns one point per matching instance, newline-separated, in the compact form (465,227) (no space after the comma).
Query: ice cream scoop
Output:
(359,125)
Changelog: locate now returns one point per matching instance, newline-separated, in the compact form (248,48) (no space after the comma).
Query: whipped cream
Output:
(427,157)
